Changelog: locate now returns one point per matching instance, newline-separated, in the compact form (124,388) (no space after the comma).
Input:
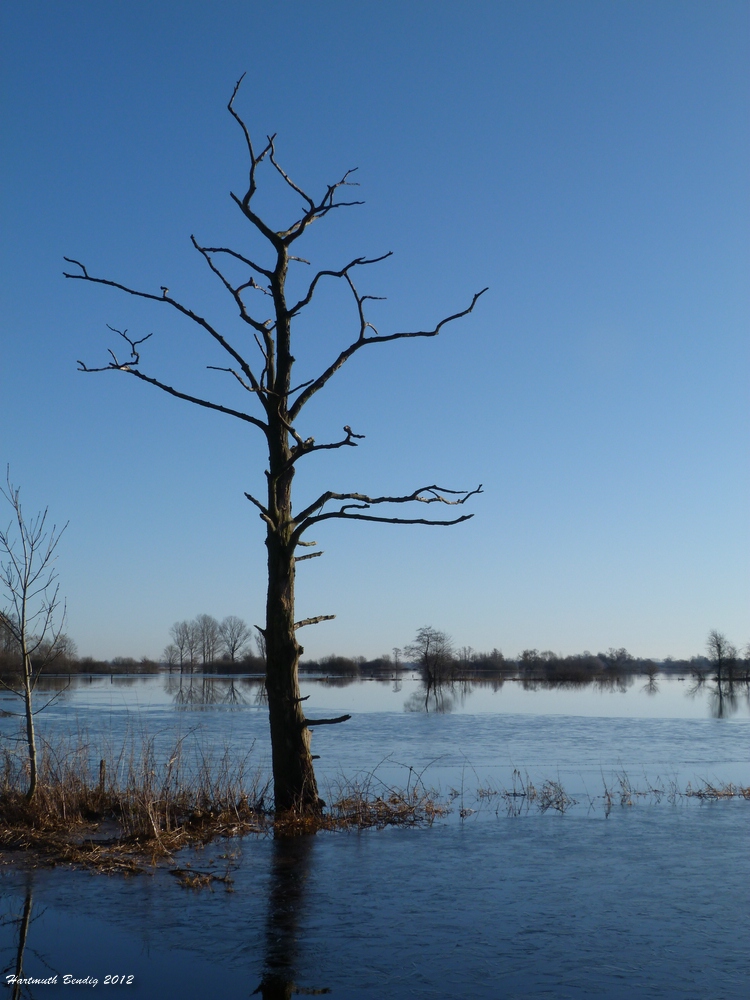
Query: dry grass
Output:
(523,795)
(114,812)
(395,807)
(711,792)
(622,791)
(368,802)
(123,813)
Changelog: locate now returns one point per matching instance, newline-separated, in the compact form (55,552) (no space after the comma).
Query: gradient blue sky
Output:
(586,160)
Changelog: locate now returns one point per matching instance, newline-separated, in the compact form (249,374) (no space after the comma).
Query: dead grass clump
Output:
(369,802)
(192,878)
(712,792)
(523,795)
(359,810)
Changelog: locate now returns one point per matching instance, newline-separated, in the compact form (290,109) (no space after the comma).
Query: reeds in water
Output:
(133,797)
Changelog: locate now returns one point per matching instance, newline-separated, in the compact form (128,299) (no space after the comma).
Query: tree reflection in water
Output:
(652,685)
(290,867)
(724,696)
(445,696)
(440,697)
(15,967)
(194,692)
(724,699)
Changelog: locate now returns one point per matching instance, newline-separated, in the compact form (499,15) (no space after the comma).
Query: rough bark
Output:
(293,775)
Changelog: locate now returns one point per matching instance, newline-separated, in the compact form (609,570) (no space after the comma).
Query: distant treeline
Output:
(206,645)
(434,656)
(468,664)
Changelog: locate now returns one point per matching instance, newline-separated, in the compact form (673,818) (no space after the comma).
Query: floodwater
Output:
(644,900)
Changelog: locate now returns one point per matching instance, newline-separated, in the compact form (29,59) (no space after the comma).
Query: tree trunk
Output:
(295,787)
(294,782)
(30,734)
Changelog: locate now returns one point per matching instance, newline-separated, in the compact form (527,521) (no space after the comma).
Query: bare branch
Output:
(308,446)
(310,555)
(164,297)
(245,260)
(314,621)
(319,211)
(244,203)
(362,341)
(175,392)
(240,379)
(281,240)
(258,504)
(236,293)
(135,356)
(292,185)
(27,578)
(425,494)
(389,520)
(358,261)
(326,722)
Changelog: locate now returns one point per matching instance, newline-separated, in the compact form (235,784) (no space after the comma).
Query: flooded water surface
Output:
(632,890)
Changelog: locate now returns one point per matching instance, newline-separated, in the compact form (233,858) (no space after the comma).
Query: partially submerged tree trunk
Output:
(270,387)
(293,775)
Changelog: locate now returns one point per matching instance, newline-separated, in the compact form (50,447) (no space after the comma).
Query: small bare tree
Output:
(180,633)
(256,284)
(235,635)
(33,617)
(722,654)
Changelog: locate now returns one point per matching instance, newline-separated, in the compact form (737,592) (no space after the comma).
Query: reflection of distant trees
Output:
(439,698)
(194,692)
(337,682)
(723,697)
(652,685)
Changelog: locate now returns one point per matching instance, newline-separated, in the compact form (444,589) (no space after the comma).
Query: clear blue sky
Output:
(588,161)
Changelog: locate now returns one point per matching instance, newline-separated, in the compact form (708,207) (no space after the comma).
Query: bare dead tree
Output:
(278,403)
(33,616)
